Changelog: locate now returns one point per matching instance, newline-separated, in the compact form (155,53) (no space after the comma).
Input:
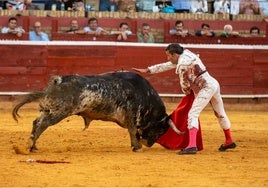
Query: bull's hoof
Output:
(137,149)
(33,149)
(85,128)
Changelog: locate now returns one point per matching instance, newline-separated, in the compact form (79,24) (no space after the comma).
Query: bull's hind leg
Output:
(34,136)
(32,143)
(40,125)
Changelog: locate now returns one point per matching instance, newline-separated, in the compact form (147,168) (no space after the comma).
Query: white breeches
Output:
(210,92)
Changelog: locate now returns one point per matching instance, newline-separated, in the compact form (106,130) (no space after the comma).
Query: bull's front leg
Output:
(135,140)
(86,122)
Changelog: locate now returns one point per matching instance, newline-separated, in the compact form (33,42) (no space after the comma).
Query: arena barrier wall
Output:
(27,66)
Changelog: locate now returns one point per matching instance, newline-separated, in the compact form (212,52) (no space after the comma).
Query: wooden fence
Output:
(27,66)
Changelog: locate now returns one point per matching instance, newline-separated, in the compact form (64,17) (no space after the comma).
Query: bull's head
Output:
(150,134)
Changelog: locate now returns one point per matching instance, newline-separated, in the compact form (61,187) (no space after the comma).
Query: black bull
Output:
(121,97)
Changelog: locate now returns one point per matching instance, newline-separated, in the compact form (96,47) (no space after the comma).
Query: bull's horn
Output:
(174,128)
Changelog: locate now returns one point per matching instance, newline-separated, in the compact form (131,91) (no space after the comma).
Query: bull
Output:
(125,98)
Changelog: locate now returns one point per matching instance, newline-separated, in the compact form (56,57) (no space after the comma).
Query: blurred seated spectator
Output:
(2,4)
(69,4)
(13,28)
(179,30)
(78,5)
(49,3)
(145,35)
(221,6)
(29,5)
(249,7)
(205,31)
(254,31)
(181,6)
(130,5)
(122,32)
(15,5)
(228,31)
(199,6)
(263,4)
(94,29)
(108,5)
(75,5)
(74,28)
(37,34)
(234,7)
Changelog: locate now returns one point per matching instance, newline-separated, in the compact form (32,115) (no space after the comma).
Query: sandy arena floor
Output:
(101,155)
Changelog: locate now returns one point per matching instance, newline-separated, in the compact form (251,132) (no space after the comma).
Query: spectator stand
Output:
(25,36)
(159,27)
(88,37)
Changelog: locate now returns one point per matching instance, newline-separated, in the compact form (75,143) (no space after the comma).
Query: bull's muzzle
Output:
(146,143)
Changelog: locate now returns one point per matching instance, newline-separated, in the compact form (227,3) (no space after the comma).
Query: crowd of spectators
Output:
(144,34)
(234,7)
(205,30)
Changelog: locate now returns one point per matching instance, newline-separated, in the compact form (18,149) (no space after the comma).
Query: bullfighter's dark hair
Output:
(174,49)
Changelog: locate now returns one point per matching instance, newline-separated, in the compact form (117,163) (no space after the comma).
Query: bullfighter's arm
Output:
(157,68)
(162,67)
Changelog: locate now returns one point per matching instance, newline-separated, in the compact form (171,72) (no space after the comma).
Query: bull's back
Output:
(135,85)
(110,93)
(141,86)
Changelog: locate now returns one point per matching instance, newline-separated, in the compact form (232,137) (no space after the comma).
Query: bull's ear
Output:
(55,80)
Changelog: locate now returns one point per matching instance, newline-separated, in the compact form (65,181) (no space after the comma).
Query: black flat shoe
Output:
(186,151)
(230,146)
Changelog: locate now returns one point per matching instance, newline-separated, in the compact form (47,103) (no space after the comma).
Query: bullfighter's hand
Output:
(141,70)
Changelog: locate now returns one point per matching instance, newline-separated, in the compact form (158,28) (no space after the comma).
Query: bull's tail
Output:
(34,96)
